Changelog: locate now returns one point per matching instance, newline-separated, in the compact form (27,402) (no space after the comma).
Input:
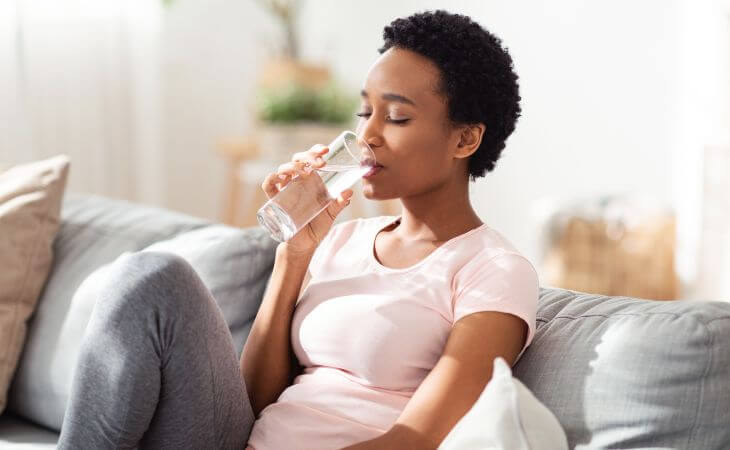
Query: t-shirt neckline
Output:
(380,225)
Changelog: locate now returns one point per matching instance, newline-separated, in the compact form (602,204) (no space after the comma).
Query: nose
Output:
(368,156)
(367,132)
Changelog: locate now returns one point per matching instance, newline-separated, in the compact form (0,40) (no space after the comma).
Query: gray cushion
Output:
(234,264)
(626,373)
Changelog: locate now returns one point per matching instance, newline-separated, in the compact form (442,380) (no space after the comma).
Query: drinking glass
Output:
(346,161)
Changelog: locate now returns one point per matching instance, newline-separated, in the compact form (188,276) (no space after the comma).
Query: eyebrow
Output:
(391,96)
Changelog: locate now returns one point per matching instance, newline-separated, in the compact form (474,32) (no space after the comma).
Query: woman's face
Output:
(405,120)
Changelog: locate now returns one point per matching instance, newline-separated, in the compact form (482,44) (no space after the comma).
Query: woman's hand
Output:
(303,164)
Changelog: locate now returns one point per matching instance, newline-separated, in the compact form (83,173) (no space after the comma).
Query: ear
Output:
(470,138)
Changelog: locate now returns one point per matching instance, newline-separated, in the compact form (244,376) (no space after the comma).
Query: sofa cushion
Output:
(625,373)
(30,204)
(233,263)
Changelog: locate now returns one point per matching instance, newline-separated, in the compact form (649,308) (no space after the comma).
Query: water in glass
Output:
(313,193)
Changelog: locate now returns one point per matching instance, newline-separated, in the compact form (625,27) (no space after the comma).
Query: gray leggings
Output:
(158,368)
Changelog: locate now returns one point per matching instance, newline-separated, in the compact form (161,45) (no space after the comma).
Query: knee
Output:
(149,279)
(139,269)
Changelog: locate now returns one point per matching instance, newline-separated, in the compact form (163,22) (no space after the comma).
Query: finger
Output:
(319,149)
(273,183)
(306,162)
(291,169)
(312,157)
(336,207)
(347,194)
(316,150)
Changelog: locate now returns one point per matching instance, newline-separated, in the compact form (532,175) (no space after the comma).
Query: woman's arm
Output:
(266,361)
(455,383)
(267,358)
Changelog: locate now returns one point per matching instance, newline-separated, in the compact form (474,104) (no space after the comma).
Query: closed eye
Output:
(395,121)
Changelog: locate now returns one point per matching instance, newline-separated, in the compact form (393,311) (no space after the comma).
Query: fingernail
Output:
(282,176)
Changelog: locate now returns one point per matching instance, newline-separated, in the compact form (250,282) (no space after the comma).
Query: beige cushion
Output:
(30,204)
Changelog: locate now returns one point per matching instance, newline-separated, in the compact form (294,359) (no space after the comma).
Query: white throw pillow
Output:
(506,416)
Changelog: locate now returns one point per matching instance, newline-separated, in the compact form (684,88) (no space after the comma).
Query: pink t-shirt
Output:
(367,335)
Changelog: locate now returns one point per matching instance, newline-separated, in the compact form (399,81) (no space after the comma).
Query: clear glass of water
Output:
(346,161)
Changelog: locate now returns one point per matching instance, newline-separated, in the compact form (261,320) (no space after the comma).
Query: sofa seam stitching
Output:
(609,316)
(708,340)
(716,319)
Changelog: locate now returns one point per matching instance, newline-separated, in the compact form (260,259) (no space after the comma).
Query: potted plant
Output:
(298,103)
(295,116)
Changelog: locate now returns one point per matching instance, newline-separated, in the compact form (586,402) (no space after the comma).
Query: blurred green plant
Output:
(297,103)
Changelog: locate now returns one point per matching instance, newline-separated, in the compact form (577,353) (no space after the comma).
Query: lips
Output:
(377,168)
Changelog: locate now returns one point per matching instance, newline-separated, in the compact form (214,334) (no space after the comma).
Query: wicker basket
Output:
(601,257)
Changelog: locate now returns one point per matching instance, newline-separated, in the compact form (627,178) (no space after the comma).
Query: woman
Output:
(374,333)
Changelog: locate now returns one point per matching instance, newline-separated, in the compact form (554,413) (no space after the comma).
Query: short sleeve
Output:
(505,283)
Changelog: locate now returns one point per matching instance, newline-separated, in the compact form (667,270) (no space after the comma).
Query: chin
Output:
(370,193)
(367,192)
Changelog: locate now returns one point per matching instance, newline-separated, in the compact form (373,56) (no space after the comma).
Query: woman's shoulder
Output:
(487,248)
(494,242)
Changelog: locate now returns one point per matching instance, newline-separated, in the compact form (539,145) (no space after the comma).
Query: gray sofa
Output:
(617,372)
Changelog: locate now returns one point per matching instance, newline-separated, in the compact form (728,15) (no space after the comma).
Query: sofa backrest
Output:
(234,263)
(617,372)
(620,372)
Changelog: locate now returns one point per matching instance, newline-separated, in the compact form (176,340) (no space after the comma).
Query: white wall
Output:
(80,77)
(210,58)
(618,96)
(703,120)
(610,96)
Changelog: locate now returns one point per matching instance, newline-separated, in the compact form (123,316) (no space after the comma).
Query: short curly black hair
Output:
(477,75)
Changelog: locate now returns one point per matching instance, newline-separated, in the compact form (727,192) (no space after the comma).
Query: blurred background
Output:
(616,179)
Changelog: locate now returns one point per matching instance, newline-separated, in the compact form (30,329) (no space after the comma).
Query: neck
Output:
(438,215)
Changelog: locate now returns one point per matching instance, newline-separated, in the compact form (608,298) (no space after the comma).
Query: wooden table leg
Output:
(233,193)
